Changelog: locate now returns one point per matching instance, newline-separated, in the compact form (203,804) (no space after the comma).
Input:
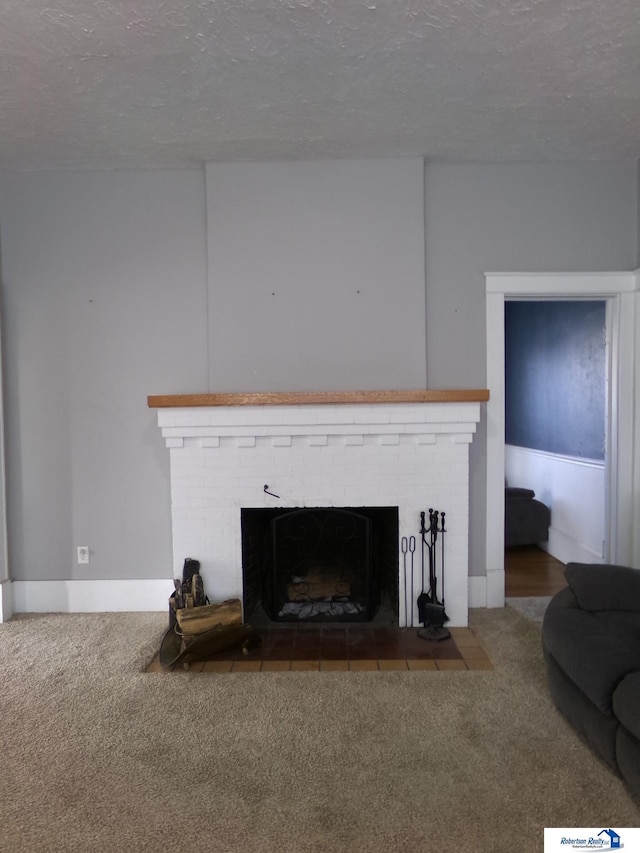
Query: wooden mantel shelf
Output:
(298,398)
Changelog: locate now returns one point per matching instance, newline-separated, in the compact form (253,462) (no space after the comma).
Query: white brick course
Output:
(413,456)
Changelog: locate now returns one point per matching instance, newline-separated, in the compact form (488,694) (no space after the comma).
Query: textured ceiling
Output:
(166,83)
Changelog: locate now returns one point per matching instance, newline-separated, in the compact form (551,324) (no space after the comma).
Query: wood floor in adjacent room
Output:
(530,571)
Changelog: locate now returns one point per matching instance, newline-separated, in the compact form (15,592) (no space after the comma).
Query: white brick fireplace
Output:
(408,450)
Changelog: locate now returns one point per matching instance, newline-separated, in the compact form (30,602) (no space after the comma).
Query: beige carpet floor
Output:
(532,607)
(97,755)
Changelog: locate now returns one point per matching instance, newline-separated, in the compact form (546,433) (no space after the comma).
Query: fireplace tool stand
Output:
(431,612)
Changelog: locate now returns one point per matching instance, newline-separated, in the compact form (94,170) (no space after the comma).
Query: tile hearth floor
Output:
(350,648)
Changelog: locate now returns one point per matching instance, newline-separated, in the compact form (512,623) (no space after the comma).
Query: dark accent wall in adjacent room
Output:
(555,375)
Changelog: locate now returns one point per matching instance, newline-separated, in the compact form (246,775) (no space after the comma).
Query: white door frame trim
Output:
(619,289)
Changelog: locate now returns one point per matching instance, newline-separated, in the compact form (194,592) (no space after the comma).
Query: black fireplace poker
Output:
(431,612)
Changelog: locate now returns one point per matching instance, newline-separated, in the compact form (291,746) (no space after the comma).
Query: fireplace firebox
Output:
(317,564)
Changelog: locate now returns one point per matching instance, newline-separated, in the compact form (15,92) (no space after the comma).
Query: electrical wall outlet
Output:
(83,554)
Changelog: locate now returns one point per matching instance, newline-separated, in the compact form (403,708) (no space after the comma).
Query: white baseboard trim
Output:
(85,596)
(487,591)
(495,588)
(101,596)
(568,550)
(6,601)
(478,591)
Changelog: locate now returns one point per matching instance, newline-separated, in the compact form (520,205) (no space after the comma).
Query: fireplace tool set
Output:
(431,612)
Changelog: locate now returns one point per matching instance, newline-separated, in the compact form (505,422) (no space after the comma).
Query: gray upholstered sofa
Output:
(526,520)
(591,645)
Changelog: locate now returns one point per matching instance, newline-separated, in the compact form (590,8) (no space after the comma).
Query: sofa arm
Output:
(593,658)
(626,703)
(604,587)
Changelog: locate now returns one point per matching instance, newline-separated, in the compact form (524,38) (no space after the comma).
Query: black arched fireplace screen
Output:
(321,564)
(316,564)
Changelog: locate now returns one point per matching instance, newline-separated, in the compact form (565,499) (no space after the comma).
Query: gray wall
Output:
(501,218)
(104,280)
(316,273)
(105,301)
(637,260)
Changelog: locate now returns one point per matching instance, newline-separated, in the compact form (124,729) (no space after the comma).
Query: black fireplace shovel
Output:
(431,610)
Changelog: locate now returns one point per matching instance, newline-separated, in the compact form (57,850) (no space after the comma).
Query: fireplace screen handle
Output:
(267,492)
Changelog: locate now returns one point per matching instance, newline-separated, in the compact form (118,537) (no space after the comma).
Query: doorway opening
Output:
(556,421)
(618,291)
